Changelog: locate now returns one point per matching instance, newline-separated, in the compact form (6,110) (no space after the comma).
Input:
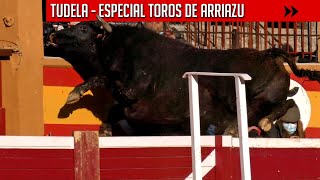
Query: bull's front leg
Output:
(266,122)
(76,94)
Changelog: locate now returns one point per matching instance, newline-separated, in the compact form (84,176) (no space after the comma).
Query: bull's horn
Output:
(105,25)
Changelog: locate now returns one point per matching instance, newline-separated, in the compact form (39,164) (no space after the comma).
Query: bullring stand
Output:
(240,79)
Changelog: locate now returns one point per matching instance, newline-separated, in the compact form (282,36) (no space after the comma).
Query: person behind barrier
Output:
(290,125)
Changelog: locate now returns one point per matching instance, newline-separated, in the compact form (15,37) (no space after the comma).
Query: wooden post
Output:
(86,155)
(235,39)
(22,77)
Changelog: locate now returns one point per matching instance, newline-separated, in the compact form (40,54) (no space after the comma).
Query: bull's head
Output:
(79,45)
(80,36)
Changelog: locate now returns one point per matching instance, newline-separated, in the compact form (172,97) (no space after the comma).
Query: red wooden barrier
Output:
(60,158)
(21,160)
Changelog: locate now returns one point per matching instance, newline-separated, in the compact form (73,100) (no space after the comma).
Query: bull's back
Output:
(267,72)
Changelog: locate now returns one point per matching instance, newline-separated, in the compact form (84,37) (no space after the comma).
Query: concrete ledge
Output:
(60,62)
(55,62)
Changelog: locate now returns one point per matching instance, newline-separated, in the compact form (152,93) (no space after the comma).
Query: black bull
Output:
(143,71)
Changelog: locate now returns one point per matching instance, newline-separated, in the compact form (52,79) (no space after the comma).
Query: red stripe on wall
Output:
(149,173)
(306,83)
(312,132)
(2,121)
(36,174)
(67,129)
(53,76)
(279,163)
(224,160)
(149,163)
(150,152)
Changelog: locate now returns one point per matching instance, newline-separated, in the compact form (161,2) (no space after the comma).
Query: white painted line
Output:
(279,143)
(226,141)
(36,142)
(55,142)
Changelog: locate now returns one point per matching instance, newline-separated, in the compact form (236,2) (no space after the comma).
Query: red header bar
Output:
(182,10)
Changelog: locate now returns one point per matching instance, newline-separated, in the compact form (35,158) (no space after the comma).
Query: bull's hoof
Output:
(265,124)
(74,96)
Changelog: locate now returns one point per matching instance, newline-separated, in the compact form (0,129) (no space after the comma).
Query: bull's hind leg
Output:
(278,111)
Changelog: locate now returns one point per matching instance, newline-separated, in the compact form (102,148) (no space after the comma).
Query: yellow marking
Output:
(314,97)
(54,98)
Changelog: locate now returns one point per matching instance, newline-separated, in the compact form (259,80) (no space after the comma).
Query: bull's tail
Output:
(312,75)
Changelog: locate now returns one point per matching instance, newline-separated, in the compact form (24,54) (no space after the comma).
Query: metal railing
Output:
(240,79)
(295,37)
